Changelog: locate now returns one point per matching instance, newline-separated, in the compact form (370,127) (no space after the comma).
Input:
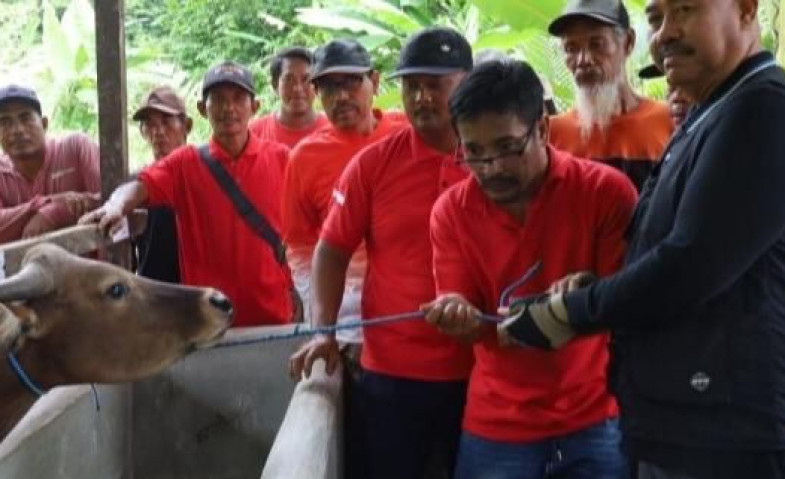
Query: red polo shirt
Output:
(384,197)
(269,128)
(576,222)
(217,248)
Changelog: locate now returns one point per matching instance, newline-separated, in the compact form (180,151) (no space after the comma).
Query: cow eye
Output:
(117,291)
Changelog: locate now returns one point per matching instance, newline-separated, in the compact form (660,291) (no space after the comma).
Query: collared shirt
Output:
(70,163)
(632,142)
(313,169)
(217,247)
(576,222)
(384,198)
(269,128)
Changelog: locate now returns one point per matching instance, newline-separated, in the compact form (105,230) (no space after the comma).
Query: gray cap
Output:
(19,93)
(610,12)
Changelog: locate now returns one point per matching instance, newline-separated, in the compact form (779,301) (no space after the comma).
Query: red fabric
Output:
(576,222)
(384,198)
(70,163)
(269,128)
(217,247)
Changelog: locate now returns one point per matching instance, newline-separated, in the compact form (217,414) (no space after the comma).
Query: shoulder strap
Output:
(253,218)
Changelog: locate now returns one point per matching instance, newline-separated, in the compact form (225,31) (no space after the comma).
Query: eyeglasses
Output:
(332,85)
(504,158)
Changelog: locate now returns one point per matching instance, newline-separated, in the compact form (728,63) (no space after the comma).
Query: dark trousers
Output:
(408,429)
(726,465)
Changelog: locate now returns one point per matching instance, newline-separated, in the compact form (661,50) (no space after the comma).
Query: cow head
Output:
(88,321)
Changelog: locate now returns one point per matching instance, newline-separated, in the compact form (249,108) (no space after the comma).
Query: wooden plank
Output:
(112,101)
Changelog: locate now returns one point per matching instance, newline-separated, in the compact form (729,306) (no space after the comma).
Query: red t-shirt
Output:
(217,248)
(576,222)
(269,128)
(384,198)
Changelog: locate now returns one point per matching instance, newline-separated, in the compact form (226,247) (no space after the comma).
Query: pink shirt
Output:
(71,163)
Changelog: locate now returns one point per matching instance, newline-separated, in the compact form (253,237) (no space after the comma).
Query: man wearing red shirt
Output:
(529,414)
(290,73)
(217,247)
(412,387)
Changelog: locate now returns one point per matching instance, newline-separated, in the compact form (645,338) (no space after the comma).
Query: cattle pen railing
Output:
(225,413)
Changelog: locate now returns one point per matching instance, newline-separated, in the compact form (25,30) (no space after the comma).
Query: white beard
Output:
(597,105)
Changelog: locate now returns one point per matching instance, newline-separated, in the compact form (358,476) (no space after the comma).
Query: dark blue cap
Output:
(19,93)
(229,72)
(340,56)
(434,51)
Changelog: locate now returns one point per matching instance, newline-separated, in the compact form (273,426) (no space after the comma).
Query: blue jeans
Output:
(591,453)
(409,429)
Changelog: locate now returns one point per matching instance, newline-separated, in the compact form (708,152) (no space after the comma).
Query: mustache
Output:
(675,48)
(498,182)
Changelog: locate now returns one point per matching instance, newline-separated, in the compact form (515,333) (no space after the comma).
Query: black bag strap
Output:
(255,220)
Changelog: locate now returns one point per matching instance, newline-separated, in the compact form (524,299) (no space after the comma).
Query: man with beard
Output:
(698,311)
(45,183)
(290,71)
(218,245)
(413,382)
(609,121)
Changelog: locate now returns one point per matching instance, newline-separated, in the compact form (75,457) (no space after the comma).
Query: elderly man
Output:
(226,197)
(698,309)
(609,122)
(413,380)
(165,125)
(290,73)
(45,183)
(678,103)
(486,232)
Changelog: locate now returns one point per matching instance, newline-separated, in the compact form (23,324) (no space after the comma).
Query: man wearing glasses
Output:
(413,382)
(529,414)
(164,125)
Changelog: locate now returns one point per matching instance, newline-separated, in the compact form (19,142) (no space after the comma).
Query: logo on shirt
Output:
(339,197)
(66,171)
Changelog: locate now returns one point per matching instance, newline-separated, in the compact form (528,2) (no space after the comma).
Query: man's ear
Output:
(544,127)
(45,122)
(188,124)
(201,105)
(374,76)
(629,41)
(749,11)
(255,105)
(11,331)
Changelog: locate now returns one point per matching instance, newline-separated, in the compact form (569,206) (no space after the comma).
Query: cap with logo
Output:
(434,51)
(163,99)
(610,12)
(229,72)
(19,93)
(340,56)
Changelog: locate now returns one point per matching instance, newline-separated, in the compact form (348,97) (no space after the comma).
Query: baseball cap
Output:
(20,93)
(610,12)
(650,71)
(163,99)
(434,51)
(340,56)
(229,72)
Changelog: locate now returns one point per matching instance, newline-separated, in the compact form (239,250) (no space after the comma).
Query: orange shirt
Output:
(217,247)
(576,222)
(633,142)
(384,198)
(269,128)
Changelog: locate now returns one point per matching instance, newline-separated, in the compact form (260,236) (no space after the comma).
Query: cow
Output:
(70,320)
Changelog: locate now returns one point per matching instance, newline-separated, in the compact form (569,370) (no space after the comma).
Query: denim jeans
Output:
(591,453)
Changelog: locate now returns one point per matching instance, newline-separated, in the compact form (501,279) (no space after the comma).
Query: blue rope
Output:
(33,387)
(353,324)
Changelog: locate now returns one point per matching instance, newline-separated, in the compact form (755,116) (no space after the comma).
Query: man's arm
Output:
(122,202)
(14,219)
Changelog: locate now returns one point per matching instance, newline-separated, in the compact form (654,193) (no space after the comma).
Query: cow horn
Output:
(32,281)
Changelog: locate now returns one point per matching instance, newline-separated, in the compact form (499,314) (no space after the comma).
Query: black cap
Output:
(650,71)
(340,56)
(434,51)
(229,72)
(611,12)
(20,93)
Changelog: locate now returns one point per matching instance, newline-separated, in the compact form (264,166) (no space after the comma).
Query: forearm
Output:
(327,283)
(299,258)
(128,196)
(14,219)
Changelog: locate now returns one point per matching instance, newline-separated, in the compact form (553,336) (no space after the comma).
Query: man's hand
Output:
(78,203)
(537,321)
(109,218)
(37,226)
(571,282)
(319,347)
(454,316)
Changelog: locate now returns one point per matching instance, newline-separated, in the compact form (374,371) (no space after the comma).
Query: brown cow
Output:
(71,320)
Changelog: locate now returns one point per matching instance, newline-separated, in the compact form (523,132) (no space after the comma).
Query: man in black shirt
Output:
(164,124)
(698,312)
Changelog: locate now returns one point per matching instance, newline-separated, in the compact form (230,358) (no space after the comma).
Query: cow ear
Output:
(10,331)
(29,323)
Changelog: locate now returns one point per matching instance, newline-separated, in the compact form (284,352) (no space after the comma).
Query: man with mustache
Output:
(290,71)
(218,246)
(609,121)
(529,414)
(678,103)
(412,387)
(45,183)
(165,125)
(698,311)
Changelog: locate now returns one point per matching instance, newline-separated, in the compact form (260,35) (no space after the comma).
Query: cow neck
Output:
(17,397)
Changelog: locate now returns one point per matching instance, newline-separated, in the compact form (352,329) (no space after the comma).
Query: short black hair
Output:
(276,64)
(499,86)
